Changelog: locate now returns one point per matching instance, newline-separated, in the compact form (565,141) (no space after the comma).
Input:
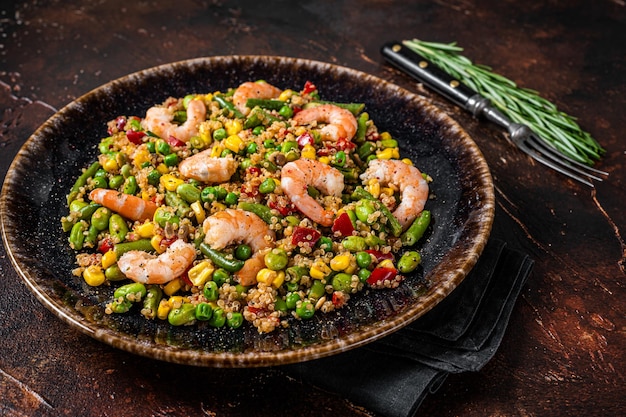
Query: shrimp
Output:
(146,268)
(341,123)
(259,89)
(413,187)
(129,206)
(234,226)
(204,167)
(158,120)
(298,175)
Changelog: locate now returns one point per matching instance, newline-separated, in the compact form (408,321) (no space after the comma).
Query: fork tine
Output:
(554,162)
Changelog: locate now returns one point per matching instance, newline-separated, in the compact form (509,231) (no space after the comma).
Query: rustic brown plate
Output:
(33,201)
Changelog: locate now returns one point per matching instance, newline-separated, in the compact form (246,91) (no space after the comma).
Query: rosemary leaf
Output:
(520,104)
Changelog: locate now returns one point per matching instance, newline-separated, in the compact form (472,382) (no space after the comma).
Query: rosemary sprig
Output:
(521,105)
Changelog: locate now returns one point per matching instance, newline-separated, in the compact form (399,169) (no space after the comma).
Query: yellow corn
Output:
(279,279)
(340,262)
(386,263)
(94,276)
(145,195)
(319,270)
(387,191)
(164,309)
(385,136)
(407,161)
(172,287)
(219,206)
(233,127)
(141,157)
(352,267)
(110,165)
(200,273)
(374,187)
(162,168)
(145,230)
(216,150)
(234,143)
(108,259)
(285,95)
(177,300)
(388,153)
(300,130)
(170,182)
(156,243)
(204,131)
(198,210)
(308,152)
(266,276)
(324,160)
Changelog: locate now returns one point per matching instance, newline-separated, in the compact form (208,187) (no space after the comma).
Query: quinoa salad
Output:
(253,206)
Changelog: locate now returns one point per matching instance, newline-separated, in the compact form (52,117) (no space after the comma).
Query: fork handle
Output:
(434,77)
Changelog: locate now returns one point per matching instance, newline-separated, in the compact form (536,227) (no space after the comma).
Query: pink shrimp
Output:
(129,206)
(296,176)
(341,123)
(158,120)
(259,89)
(203,167)
(413,187)
(147,268)
(235,226)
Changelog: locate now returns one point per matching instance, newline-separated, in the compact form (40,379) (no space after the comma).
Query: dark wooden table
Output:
(565,350)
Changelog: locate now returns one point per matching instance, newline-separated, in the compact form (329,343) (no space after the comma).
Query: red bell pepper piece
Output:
(283,209)
(135,136)
(339,299)
(309,87)
(305,139)
(105,245)
(379,275)
(174,141)
(343,225)
(305,235)
(379,255)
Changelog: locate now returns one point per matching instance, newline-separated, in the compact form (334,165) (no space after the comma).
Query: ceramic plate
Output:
(33,201)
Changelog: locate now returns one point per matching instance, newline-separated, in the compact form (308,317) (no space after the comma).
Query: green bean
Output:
(349,173)
(182,315)
(76,205)
(204,311)
(77,235)
(342,282)
(188,192)
(270,104)
(134,292)
(151,301)
(276,259)
(120,306)
(409,261)
(234,319)
(295,273)
(141,244)
(417,229)
(100,218)
(225,104)
(173,200)
(317,289)
(118,227)
(92,236)
(82,180)
(264,212)
(114,273)
(219,259)
(87,211)
(372,240)
(218,319)
(365,150)
(361,128)
(354,108)
(393,223)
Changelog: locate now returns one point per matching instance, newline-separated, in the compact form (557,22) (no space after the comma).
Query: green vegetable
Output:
(363,259)
(218,319)
(305,310)
(317,289)
(267,186)
(264,212)
(221,276)
(116,181)
(276,259)
(133,292)
(243,252)
(409,261)
(416,230)
(173,200)
(82,180)
(359,137)
(188,192)
(234,320)
(269,104)
(342,282)
(291,299)
(204,311)
(130,185)
(163,216)
(211,291)
(118,227)
(394,225)
(141,244)
(100,218)
(219,259)
(77,235)
(225,104)
(354,243)
(114,273)
(151,301)
(182,315)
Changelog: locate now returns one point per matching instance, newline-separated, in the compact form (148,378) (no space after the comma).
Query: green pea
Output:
(409,261)
(163,147)
(100,182)
(133,292)
(171,160)
(251,147)
(269,143)
(116,182)
(219,134)
(340,159)
(211,291)
(218,319)
(130,185)
(354,243)
(258,130)
(182,315)
(188,192)
(231,198)
(220,193)
(125,170)
(226,152)
(208,194)
(114,273)
(280,305)
(118,227)
(153,177)
(291,299)
(363,259)
(317,289)
(243,252)
(363,274)
(342,282)
(305,310)
(267,186)
(363,209)
(204,311)
(276,259)
(77,235)
(151,147)
(100,218)
(325,243)
(234,319)
(221,276)
(286,112)
(245,164)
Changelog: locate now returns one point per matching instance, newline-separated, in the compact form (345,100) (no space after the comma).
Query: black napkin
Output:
(393,375)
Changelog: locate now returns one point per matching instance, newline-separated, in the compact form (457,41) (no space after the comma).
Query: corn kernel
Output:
(279,279)
(340,262)
(176,301)
(352,268)
(388,153)
(387,191)
(266,276)
(233,127)
(108,259)
(145,195)
(145,230)
(319,270)
(234,143)
(172,287)
(170,182)
(308,152)
(300,130)
(324,160)
(216,150)
(385,136)
(386,263)
(407,161)
(204,131)
(141,157)
(198,210)
(110,165)
(156,243)
(94,276)
(162,168)
(285,95)
(218,206)
(200,273)
(164,309)
(374,187)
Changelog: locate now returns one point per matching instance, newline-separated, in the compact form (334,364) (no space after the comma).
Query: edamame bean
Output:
(77,235)
(100,182)
(116,182)
(182,315)
(188,192)
(364,209)
(267,186)
(100,218)
(118,227)
(133,292)
(354,243)
(409,261)
(317,289)
(276,259)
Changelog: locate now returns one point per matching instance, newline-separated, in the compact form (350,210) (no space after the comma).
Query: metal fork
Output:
(520,135)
